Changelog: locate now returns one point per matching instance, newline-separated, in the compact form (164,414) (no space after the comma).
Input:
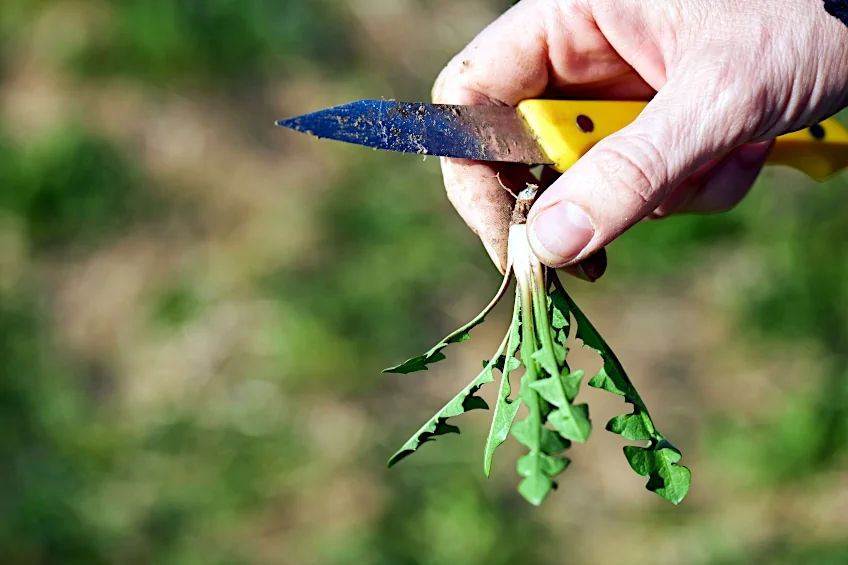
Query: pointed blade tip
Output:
(421,128)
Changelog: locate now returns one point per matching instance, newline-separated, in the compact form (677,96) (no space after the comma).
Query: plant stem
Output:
(522,257)
(540,299)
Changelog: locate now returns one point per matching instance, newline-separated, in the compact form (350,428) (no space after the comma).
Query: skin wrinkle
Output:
(623,171)
(820,95)
(656,124)
(794,98)
(674,144)
(771,106)
(717,125)
(798,99)
(653,69)
(719,73)
(546,45)
(730,113)
(580,66)
(531,82)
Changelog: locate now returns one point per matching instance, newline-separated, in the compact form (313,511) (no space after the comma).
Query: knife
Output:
(535,132)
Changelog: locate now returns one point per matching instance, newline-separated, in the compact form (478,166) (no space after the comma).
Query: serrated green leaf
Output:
(545,464)
(560,353)
(562,386)
(659,460)
(660,464)
(547,360)
(521,431)
(560,393)
(538,466)
(552,351)
(603,381)
(559,312)
(572,423)
(559,322)
(560,317)
(611,377)
(550,442)
(463,402)
(552,390)
(537,471)
(630,426)
(553,443)
(505,409)
(434,355)
(535,487)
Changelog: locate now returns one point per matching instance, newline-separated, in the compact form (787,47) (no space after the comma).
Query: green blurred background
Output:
(195,308)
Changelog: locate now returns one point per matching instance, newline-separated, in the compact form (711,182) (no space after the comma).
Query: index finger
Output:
(536,48)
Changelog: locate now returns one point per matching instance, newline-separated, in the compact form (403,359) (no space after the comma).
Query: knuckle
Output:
(456,85)
(634,170)
(452,83)
(440,86)
(732,97)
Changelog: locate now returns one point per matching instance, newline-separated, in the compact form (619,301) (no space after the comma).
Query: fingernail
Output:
(581,273)
(595,266)
(577,271)
(561,232)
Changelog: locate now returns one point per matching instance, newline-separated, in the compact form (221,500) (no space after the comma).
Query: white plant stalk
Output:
(541,322)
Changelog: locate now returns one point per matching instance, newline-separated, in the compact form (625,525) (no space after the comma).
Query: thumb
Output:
(625,176)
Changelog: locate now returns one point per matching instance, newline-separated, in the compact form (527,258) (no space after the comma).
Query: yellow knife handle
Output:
(567,129)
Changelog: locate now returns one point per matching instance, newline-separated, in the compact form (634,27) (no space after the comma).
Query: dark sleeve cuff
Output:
(838,9)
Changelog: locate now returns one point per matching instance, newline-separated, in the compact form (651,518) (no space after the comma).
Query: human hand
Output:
(724,79)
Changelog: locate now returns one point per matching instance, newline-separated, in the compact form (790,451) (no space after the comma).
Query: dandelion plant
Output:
(543,317)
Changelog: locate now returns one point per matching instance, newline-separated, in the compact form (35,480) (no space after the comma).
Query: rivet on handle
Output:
(585,123)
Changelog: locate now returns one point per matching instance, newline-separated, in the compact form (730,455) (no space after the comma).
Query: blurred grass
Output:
(216,41)
(73,188)
(191,360)
(379,266)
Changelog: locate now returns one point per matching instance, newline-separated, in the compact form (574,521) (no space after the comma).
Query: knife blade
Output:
(482,133)
(536,132)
